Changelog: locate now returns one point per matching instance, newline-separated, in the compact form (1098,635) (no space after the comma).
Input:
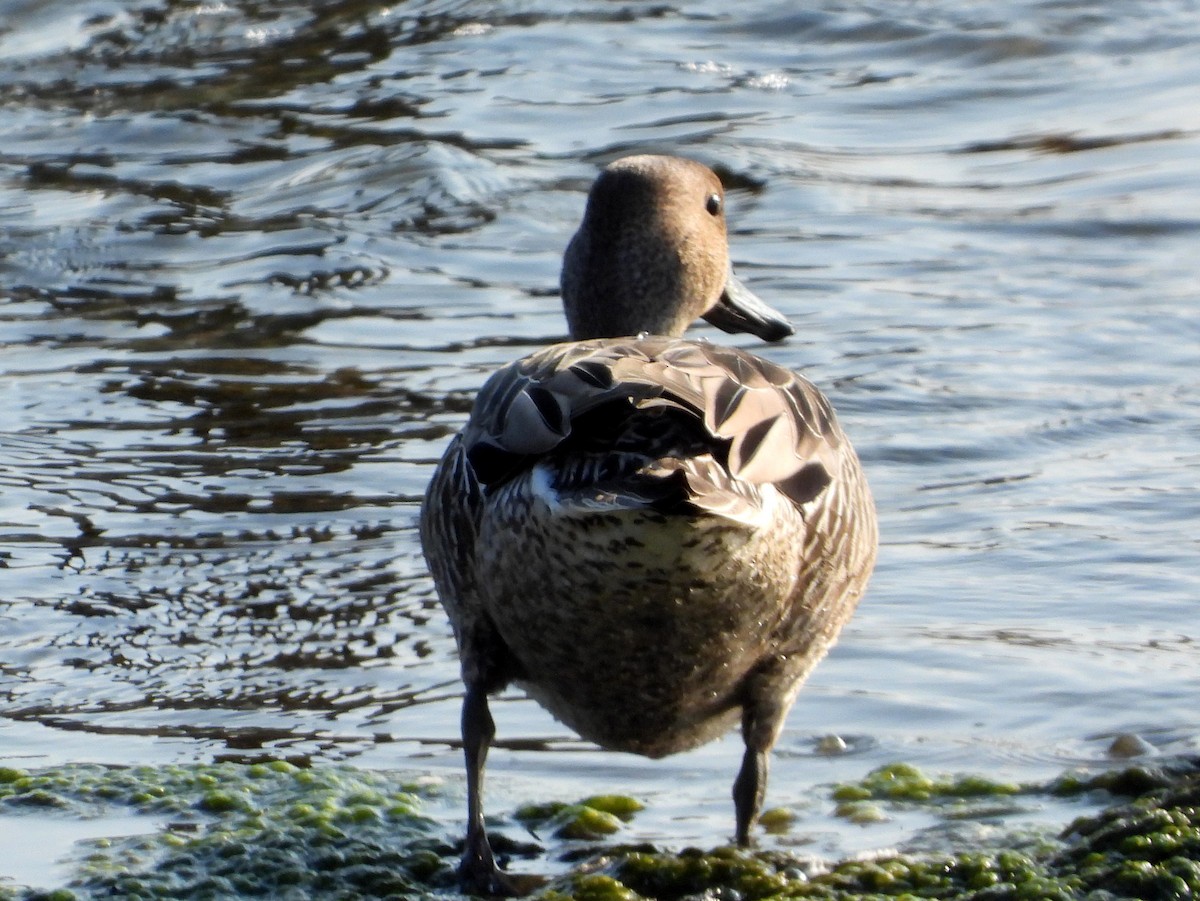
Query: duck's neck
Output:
(612,292)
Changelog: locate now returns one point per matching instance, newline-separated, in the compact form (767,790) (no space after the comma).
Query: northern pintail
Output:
(653,536)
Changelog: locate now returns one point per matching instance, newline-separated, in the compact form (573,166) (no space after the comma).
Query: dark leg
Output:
(761,722)
(749,789)
(478,871)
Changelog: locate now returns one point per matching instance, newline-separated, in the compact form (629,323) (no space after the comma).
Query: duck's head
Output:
(652,256)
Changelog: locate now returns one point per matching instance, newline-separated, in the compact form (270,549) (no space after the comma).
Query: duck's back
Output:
(654,528)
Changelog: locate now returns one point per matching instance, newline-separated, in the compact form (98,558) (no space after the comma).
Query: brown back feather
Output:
(767,424)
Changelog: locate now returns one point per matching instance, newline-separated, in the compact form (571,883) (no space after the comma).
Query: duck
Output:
(656,537)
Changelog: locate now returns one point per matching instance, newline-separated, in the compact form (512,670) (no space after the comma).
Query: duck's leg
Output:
(762,720)
(749,789)
(487,667)
(478,870)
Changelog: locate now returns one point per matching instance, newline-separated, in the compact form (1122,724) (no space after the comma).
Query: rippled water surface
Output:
(256,257)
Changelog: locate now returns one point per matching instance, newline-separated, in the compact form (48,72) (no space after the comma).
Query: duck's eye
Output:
(713,204)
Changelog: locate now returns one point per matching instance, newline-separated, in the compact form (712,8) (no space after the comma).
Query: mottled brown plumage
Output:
(652,536)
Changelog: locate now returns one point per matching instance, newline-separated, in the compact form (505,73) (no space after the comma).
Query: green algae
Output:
(902,786)
(226,831)
(692,872)
(590,819)
(622,807)
(236,831)
(1148,850)
(777,820)
(905,782)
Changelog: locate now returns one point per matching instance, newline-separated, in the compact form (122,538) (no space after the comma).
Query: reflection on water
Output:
(255,258)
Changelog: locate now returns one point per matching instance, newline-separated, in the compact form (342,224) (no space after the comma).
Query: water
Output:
(256,258)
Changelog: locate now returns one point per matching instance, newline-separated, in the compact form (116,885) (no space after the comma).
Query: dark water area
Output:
(256,257)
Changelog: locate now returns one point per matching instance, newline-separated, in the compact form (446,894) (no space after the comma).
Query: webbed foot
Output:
(479,874)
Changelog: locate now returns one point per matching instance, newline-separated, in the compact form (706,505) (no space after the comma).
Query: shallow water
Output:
(255,258)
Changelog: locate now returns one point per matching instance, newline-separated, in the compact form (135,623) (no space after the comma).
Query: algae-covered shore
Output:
(275,830)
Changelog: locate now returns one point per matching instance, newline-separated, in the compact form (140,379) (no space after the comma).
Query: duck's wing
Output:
(735,418)
(449,527)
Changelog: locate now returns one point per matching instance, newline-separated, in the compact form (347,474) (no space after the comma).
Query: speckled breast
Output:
(635,628)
